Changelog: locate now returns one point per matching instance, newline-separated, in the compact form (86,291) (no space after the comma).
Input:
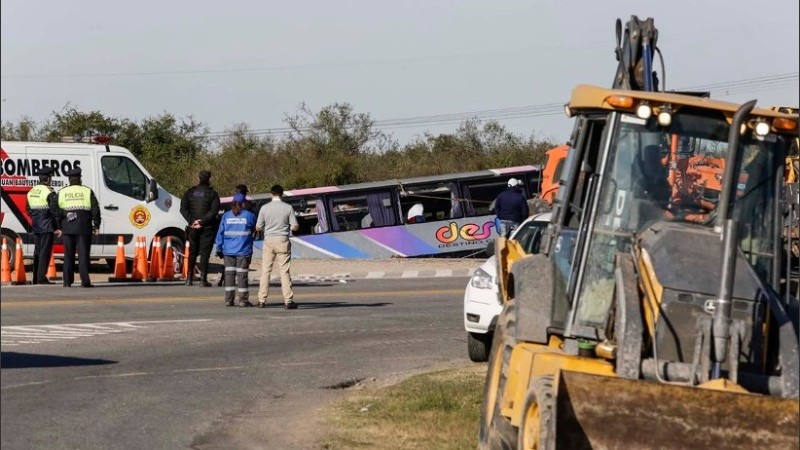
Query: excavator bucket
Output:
(602,412)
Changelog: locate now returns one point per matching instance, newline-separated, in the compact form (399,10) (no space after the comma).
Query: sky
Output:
(414,66)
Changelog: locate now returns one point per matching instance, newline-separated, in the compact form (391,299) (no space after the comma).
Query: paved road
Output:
(168,366)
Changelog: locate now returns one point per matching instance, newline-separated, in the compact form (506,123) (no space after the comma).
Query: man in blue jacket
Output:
(511,208)
(235,245)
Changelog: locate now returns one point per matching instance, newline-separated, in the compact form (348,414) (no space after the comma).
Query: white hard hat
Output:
(513,182)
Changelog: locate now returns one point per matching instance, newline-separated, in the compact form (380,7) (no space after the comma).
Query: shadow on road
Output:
(323,305)
(14,360)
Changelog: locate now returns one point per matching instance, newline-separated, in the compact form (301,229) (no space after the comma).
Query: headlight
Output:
(481,279)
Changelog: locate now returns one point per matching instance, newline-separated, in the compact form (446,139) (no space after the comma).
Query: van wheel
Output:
(177,243)
(11,242)
(478,346)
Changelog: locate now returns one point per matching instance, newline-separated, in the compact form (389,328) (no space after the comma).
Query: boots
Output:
(204,280)
(190,274)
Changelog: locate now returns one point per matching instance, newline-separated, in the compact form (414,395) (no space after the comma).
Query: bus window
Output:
(425,203)
(355,211)
(480,194)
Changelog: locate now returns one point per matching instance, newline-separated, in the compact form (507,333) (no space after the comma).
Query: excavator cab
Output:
(649,304)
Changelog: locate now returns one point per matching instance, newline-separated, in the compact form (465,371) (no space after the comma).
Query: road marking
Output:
(116,375)
(443,273)
(35,334)
(375,274)
(33,383)
(410,274)
(118,301)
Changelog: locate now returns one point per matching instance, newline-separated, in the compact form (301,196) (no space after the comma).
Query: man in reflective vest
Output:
(80,219)
(42,207)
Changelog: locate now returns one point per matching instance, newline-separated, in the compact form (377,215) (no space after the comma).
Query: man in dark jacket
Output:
(200,207)
(511,208)
(80,219)
(42,207)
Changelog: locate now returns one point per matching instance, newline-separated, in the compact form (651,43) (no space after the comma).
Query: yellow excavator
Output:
(650,319)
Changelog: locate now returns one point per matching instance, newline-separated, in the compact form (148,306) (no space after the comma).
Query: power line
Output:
(530,111)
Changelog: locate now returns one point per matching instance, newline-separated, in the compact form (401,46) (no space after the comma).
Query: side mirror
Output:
(152,193)
(489,250)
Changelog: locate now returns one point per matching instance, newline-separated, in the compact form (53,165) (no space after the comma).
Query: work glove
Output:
(219,254)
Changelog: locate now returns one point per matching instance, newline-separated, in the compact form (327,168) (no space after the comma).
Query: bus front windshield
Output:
(674,173)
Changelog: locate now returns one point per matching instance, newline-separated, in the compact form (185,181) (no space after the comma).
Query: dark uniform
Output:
(42,207)
(200,204)
(80,218)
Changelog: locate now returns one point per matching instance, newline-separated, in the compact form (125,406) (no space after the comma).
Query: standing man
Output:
(247,205)
(511,208)
(275,219)
(200,207)
(42,208)
(80,219)
(235,245)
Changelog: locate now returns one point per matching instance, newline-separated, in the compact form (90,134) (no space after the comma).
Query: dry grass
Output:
(438,410)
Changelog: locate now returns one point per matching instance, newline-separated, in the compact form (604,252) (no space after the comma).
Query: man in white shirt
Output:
(275,219)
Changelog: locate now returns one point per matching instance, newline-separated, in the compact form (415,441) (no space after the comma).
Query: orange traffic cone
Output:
(143,272)
(168,269)
(155,260)
(5,264)
(120,273)
(51,270)
(185,268)
(136,274)
(19,266)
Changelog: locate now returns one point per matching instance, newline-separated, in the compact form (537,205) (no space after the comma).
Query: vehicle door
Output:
(122,193)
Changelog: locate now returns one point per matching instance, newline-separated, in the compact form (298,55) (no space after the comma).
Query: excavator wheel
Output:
(496,431)
(538,430)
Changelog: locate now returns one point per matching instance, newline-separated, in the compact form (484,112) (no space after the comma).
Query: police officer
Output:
(80,219)
(42,207)
(200,207)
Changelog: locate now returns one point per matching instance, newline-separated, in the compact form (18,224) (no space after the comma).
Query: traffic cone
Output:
(19,266)
(5,264)
(51,270)
(185,268)
(136,274)
(155,260)
(142,265)
(168,269)
(120,272)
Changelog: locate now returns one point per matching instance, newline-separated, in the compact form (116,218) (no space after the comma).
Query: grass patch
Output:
(434,411)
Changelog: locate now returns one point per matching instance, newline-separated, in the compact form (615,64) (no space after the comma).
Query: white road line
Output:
(117,375)
(375,274)
(208,369)
(410,274)
(36,334)
(33,383)
(444,273)
(41,336)
(46,333)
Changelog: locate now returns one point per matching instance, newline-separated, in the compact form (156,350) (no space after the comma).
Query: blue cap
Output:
(239,198)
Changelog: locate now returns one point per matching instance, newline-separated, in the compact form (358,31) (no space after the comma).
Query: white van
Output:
(131,202)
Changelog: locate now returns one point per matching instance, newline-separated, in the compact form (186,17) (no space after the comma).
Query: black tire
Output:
(479,346)
(537,430)
(177,244)
(496,431)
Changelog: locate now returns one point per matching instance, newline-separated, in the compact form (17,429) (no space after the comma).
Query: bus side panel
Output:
(467,235)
